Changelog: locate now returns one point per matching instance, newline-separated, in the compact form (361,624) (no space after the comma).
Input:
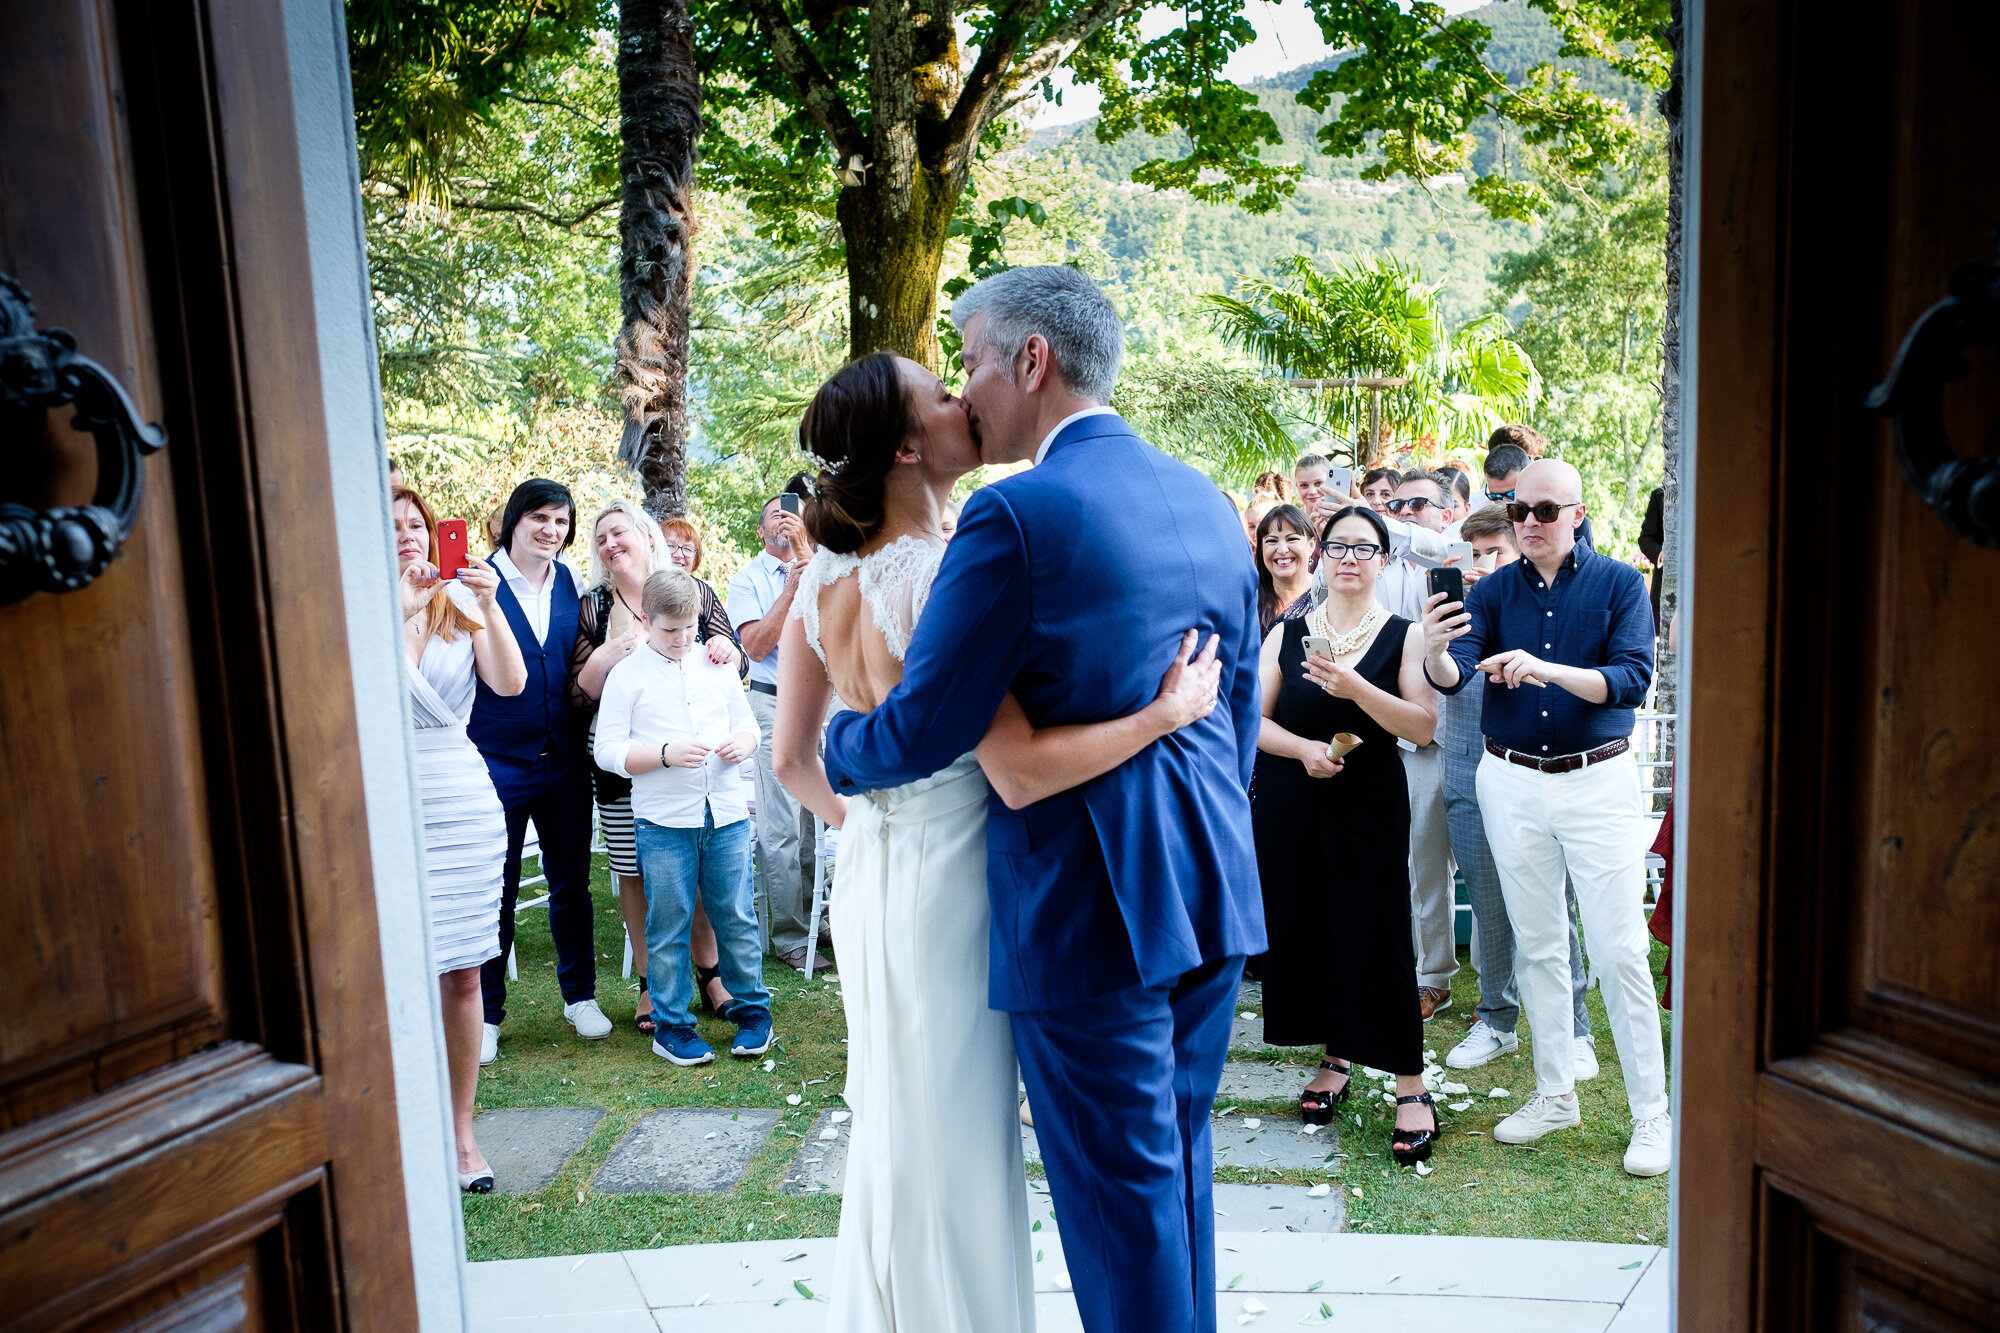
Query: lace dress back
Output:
(893,584)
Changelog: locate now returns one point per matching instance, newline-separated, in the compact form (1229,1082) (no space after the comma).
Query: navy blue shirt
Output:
(1597,615)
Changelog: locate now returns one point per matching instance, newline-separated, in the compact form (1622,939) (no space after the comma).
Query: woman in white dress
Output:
(933,1221)
(452,628)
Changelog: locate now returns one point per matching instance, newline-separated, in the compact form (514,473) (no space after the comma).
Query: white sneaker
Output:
(1481,1045)
(1538,1117)
(588,1020)
(1586,1060)
(489,1044)
(1652,1148)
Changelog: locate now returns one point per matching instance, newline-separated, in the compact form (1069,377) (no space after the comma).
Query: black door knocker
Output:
(61,550)
(1964,492)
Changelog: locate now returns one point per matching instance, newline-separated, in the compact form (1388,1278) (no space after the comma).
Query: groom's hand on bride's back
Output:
(1188,691)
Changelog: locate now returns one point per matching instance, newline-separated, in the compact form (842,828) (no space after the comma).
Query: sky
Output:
(1287,37)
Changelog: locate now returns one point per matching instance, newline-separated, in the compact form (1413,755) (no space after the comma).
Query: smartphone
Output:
(1339,480)
(1450,582)
(1316,644)
(1459,552)
(791,504)
(451,547)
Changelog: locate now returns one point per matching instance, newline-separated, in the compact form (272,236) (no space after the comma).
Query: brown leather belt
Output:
(1562,763)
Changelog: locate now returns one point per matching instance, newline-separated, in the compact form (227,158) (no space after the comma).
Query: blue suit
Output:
(1122,909)
(534,750)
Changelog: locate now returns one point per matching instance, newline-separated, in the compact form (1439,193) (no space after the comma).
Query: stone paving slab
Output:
(1270,1208)
(1254,1081)
(686,1150)
(821,1163)
(526,1146)
(1276,1143)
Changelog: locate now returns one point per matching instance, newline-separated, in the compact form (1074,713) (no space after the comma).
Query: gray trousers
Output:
(1493,934)
(1431,911)
(784,842)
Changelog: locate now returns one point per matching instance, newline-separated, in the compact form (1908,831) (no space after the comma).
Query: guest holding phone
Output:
(1320,882)
(453,632)
(717,634)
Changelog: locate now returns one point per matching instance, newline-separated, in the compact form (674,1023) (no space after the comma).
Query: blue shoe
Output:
(681,1046)
(753,1035)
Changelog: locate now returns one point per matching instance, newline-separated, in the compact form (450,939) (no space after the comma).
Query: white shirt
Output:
(1050,438)
(752,593)
(535,603)
(652,700)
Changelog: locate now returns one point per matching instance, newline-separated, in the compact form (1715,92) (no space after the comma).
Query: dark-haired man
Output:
(535,752)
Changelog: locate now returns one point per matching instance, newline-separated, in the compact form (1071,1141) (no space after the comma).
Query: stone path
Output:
(1270,1280)
(526,1147)
(686,1150)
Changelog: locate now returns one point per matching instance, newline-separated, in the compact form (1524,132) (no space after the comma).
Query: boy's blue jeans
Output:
(677,863)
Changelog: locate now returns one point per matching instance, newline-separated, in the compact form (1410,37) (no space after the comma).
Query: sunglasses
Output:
(1548,511)
(1499,497)
(1341,550)
(1415,504)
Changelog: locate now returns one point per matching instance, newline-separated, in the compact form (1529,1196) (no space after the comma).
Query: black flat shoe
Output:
(1410,1146)
(1316,1108)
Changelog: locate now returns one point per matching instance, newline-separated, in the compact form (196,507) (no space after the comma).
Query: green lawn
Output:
(1571,1187)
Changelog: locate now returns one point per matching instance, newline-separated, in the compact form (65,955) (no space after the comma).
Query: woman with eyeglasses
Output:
(1322,885)
(1284,566)
(627,547)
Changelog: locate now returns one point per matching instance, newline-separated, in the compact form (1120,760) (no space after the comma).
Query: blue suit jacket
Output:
(1071,584)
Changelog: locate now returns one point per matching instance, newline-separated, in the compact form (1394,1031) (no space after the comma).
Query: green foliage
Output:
(1421,79)
(1596,292)
(1378,318)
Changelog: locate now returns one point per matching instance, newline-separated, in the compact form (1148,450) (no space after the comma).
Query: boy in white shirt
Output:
(678,726)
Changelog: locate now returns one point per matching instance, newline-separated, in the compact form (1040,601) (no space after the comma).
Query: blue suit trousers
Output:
(555,793)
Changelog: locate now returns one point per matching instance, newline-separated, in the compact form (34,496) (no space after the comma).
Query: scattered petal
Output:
(793,1099)
(802,1289)
(1459,1106)
(579,1263)
(711,1134)
(1424,1168)
(1621,1268)
(1251,1305)
(1498,1093)
(1317,1285)
(1310,1130)
(841,1117)
(1389,1097)
(1062,1280)
(1233,1281)
(1245,1319)
(1430,1056)
(1319,1191)
(795,1254)
(701,1299)
(1251,1122)
(1357,1191)
(1246,1014)
(829,1134)
(1458,1089)
(1393,1277)
(770,1065)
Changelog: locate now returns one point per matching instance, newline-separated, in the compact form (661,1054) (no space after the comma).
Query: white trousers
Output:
(1432,917)
(1590,823)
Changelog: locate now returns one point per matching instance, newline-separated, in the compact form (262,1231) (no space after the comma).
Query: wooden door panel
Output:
(197,1118)
(1840,1031)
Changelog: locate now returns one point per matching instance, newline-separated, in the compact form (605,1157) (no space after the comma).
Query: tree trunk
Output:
(895,248)
(1670,380)
(659,116)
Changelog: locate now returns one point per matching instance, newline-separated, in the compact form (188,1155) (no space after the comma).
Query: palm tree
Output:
(1377,319)
(659,116)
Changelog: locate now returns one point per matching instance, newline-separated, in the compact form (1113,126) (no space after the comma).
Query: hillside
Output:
(1334,214)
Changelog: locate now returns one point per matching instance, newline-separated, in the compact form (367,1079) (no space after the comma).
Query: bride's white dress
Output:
(934,1217)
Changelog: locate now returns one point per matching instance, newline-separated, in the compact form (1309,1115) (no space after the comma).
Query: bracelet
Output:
(663,755)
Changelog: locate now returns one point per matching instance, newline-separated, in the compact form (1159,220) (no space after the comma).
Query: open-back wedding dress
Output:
(933,1220)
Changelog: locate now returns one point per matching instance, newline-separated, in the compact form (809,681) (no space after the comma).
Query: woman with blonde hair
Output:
(452,631)
(1267,492)
(626,547)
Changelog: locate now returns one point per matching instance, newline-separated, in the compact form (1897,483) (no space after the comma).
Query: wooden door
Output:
(1839,1154)
(197,1117)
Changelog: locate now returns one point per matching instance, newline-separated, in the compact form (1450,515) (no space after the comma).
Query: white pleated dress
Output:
(934,1215)
(465,830)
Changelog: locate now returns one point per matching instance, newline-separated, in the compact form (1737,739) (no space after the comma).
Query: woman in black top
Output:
(1341,971)
(1284,566)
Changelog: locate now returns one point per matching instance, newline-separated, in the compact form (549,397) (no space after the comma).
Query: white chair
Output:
(531,845)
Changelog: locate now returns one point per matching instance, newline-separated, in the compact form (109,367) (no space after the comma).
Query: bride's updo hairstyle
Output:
(852,428)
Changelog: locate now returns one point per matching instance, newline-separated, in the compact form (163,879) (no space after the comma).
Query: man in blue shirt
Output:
(1564,637)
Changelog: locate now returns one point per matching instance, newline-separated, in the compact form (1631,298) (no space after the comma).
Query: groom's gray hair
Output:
(1069,310)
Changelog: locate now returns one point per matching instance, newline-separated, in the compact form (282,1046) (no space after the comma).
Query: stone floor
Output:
(1264,1279)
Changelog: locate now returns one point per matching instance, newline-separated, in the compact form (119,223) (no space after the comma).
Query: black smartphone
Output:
(1450,582)
(791,504)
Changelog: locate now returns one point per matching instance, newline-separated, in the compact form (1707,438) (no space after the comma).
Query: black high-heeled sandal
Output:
(702,976)
(1316,1106)
(1410,1146)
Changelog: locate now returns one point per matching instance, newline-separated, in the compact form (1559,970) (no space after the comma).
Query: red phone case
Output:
(451,547)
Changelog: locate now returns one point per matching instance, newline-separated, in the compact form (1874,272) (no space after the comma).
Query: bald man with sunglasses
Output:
(1564,637)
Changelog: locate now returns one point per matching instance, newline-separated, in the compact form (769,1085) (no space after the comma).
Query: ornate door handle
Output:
(61,550)
(1964,492)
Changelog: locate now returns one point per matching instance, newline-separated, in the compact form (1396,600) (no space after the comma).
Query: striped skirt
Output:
(615,819)
(465,846)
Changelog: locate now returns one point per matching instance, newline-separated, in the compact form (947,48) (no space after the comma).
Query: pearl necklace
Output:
(1343,644)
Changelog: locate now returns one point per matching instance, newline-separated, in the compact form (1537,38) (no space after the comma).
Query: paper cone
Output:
(1342,744)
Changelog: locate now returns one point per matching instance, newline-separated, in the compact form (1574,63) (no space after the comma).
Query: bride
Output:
(933,1220)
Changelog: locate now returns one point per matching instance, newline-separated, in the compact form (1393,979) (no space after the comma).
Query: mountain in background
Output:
(1334,215)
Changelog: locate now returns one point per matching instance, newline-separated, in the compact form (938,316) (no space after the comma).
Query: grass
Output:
(1570,1187)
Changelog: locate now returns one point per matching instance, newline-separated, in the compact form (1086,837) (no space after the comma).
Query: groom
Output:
(1122,909)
